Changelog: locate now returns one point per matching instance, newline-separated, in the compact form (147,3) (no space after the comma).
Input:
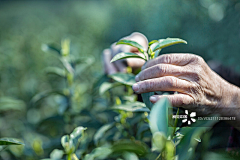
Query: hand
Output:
(199,88)
(120,65)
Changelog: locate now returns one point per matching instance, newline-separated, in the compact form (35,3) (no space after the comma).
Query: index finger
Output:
(179,59)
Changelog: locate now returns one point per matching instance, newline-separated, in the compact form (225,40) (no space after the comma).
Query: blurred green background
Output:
(211,28)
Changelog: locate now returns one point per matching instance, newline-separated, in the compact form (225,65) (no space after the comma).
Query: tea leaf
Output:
(145,97)
(132,43)
(77,134)
(130,156)
(106,86)
(55,70)
(124,78)
(158,141)
(132,107)
(134,146)
(153,41)
(99,134)
(53,47)
(159,117)
(168,42)
(125,55)
(10,141)
(187,145)
(9,104)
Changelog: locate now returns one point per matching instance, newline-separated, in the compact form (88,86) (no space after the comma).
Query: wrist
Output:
(230,102)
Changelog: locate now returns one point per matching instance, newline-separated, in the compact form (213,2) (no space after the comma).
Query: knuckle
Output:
(167,58)
(171,82)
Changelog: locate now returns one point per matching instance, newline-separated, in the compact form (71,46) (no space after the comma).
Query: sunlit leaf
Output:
(10,141)
(158,141)
(130,156)
(106,86)
(132,107)
(67,144)
(168,42)
(145,98)
(159,117)
(125,55)
(153,41)
(170,150)
(134,146)
(132,43)
(56,154)
(124,78)
(77,134)
(100,133)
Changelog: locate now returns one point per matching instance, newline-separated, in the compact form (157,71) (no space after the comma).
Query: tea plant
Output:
(169,140)
(120,127)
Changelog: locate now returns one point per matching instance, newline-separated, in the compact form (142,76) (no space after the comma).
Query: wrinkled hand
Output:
(199,88)
(120,65)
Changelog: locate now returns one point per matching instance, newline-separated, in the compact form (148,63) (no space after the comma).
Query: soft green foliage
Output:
(10,141)
(51,71)
(126,55)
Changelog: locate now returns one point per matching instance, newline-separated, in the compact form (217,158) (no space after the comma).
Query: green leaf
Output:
(134,146)
(130,156)
(187,145)
(10,141)
(101,152)
(145,97)
(56,154)
(98,153)
(153,41)
(125,55)
(55,70)
(132,107)
(159,117)
(67,144)
(132,43)
(67,65)
(106,86)
(124,78)
(9,104)
(100,133)
(40,96)
(51,47)
(77,134)
(168,42)
(158,141)
(222,155)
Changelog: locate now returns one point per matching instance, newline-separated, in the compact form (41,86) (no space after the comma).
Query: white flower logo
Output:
(193,114)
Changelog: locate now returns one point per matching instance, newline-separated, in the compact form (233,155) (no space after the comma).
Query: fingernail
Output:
(137,78)
(135,87)
(153,99)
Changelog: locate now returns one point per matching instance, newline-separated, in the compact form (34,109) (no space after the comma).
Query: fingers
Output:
(167,83)
(174,59)
(177,100)
(109,68)
(160,70)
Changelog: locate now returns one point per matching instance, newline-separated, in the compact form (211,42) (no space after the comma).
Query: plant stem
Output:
(175,124)
(158,156)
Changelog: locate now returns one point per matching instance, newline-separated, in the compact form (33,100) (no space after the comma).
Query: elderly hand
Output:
(120,65)
(199,88)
